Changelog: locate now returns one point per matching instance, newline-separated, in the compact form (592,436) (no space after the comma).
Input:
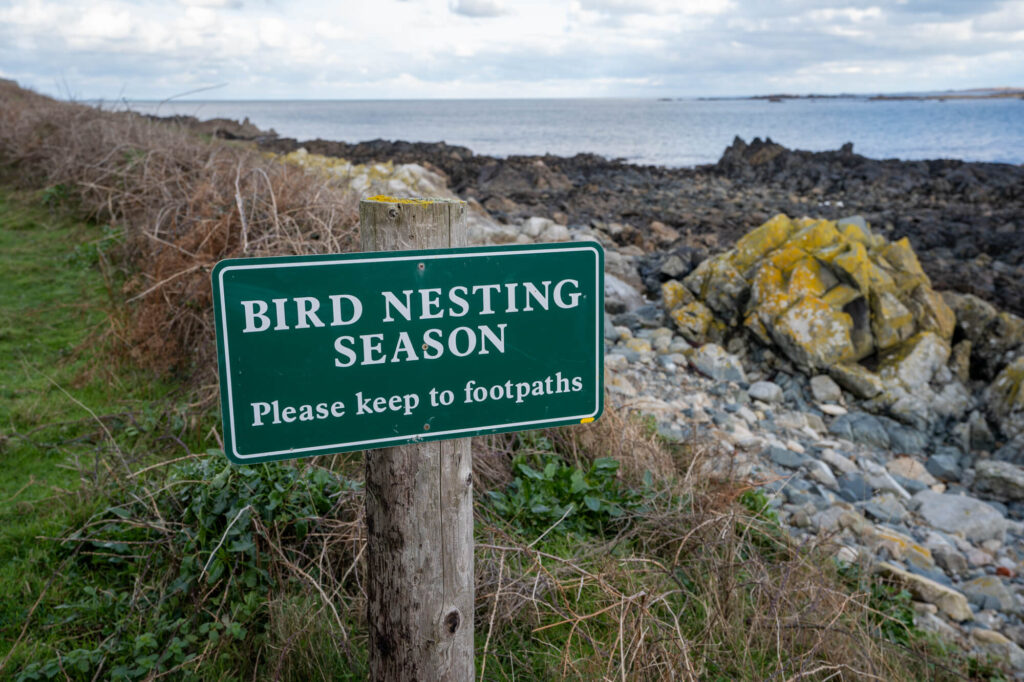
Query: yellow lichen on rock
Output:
(816,236)
(720,286)
(809,278)
(693,320)
(853,233)
(813,334)
(674,294)
(891,322)
(857,379)
(786,257)
(841,294)
(931,312)
(756,243)
(855,263)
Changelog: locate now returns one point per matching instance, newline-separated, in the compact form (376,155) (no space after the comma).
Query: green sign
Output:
(324,354)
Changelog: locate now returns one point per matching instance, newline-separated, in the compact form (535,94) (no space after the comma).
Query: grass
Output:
(70,407)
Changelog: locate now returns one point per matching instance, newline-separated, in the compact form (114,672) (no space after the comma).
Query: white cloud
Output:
(479,8)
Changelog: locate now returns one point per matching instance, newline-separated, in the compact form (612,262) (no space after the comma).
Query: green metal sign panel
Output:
(324,354)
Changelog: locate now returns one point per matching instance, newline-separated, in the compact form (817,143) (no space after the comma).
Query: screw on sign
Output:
(410,347)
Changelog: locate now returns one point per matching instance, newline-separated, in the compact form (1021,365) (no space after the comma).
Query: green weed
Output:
(548,493)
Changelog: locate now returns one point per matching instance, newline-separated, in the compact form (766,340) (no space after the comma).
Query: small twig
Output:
(165,463)
(163,282)
(571,508)
(222,538)
(494,612)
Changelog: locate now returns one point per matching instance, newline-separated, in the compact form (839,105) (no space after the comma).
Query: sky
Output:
(383,49)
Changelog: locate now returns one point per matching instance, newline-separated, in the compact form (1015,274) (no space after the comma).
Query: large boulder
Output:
(825,293)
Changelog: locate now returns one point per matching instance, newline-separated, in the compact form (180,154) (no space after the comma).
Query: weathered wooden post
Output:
(419,502)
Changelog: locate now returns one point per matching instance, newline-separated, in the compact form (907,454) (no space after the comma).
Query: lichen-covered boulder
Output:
(997,338)
(693,321)
(823,292)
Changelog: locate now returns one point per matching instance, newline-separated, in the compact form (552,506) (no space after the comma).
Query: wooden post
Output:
(419,502)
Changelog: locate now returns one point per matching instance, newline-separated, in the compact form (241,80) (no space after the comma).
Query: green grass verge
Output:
(67,404)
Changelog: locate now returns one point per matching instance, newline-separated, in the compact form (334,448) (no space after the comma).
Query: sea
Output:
(665,132)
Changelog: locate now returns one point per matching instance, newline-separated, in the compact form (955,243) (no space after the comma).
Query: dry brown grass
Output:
(183,203)
(694,587)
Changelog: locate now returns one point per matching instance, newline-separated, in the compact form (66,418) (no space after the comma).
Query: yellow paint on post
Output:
(418,202)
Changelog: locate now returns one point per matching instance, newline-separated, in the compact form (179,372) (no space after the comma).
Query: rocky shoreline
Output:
(965,220)
(864,366)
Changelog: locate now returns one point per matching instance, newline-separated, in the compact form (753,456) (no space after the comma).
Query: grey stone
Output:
(952,401)
(620,297)
(679,345)
(786,457)
(1012,451)
(885,509)
(628,353)
(824,389)
(981,437)
(667,363)
(999,646)
(861,427)
(820,472)
(990,592)
(1001,480)
(950,560)
(930,573)
(904,438)
(798,491)
(998,506)
(973,518)
(912,409)
(880,479)
(911,485)
(853,488)
(837,461)
(947,599)
(651,315)
(674,266)
(616,362)
(712,361)
(943,467)
(765,391)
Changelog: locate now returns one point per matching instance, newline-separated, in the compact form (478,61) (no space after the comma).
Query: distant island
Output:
(973,93)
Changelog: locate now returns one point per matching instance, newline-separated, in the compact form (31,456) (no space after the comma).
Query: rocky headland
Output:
(846,332)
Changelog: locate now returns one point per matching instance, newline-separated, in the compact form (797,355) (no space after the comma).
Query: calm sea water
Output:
(668,133)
